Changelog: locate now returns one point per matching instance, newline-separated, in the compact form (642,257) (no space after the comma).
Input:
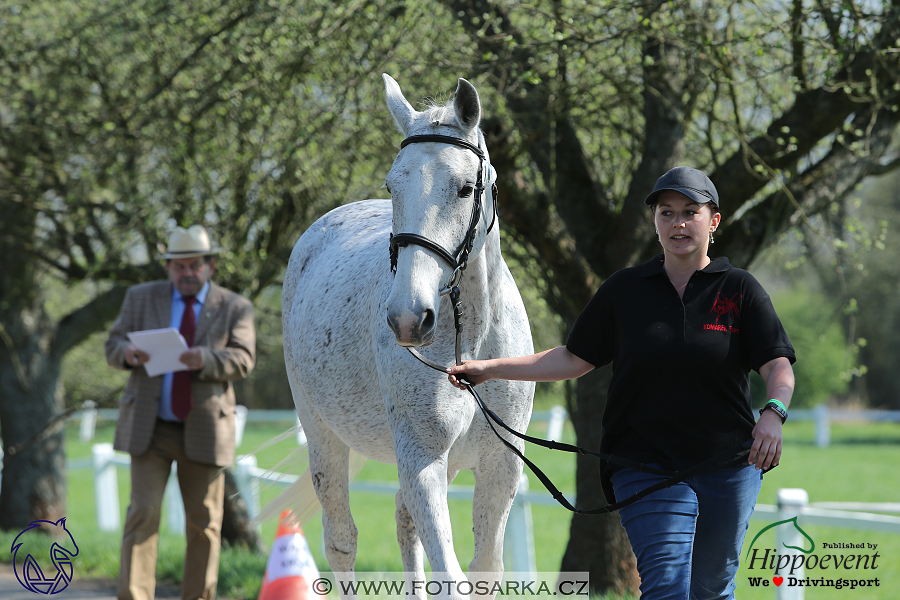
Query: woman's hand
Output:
(550,365)
(766,448)
(475,371)
(779,378)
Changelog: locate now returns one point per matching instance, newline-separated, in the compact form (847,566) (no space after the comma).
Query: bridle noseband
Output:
(459,258)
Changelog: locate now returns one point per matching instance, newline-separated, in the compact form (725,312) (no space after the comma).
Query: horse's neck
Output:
(482,278)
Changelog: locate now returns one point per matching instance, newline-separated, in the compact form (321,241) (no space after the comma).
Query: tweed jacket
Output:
(225,331)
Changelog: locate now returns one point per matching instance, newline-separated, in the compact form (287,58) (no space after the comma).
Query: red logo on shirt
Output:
(722,306)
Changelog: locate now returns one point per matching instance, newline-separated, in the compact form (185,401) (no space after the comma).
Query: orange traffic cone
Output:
(290,570)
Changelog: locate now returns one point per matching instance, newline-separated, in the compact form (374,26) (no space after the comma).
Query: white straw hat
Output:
(188,243)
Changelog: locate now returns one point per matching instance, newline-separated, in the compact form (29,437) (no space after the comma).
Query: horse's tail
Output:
(300,496)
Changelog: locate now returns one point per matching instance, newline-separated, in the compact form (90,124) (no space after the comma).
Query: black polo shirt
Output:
(680,390)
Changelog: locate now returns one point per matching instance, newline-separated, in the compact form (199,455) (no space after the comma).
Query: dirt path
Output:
(79,589)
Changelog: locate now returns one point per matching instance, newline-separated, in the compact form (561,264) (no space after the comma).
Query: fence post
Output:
(823,427)
(174,504)
(556,423)
(791,503)
(247,484)
(88,421)
(106,487)
(240,421)
(518,543)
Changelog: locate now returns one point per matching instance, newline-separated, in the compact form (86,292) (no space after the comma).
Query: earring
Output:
(711,240)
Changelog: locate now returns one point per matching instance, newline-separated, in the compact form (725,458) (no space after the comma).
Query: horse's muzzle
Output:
(412,328)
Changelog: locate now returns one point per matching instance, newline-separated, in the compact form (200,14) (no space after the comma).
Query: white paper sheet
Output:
(164,347)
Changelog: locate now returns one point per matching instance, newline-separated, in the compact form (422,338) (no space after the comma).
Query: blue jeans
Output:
(687,538)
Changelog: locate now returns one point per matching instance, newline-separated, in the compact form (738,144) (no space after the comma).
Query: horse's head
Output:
(65,541)
(435,205)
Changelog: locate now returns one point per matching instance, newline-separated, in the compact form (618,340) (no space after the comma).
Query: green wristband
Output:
(779,403)
(776,407)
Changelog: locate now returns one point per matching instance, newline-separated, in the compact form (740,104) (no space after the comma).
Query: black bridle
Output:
(459,260)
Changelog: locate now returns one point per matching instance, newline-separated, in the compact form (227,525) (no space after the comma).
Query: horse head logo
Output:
(62,550)
(792,521)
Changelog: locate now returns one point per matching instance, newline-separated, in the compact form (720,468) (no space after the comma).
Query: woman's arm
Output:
(550,365)
(767,439)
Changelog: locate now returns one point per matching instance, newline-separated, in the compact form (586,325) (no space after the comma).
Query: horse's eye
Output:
(465,191)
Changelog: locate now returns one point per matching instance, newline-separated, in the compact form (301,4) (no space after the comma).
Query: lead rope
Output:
(403,239)
(727,459)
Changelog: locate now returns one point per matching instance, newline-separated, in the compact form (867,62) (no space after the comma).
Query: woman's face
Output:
(684,226)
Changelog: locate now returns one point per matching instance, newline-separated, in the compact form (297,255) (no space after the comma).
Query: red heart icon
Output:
(778,580)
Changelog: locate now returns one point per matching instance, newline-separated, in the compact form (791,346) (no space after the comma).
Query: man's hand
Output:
(134,357)
(193,358)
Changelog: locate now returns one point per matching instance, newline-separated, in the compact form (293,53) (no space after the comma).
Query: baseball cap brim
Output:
(691,182)
(694,195)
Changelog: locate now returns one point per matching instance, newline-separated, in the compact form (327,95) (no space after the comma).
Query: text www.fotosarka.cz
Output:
(408,585)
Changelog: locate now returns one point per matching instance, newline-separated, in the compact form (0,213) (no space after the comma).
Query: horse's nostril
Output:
(428,320)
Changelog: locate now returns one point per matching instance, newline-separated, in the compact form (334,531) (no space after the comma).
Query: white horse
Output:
(347,321)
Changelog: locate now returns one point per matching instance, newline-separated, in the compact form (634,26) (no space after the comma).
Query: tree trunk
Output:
(34,484)
(597,543)
(237,530)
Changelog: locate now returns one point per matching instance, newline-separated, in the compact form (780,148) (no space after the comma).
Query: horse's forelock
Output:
(439,112)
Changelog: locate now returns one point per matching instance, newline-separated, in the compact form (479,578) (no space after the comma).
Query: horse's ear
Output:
(400,109)
(467,104)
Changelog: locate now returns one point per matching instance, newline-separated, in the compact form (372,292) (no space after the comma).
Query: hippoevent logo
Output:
(835,567)
(29,548)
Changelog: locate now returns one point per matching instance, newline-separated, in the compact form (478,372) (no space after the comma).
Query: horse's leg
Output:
(329,468)
(496,482)
(410,544)
(410,547)
(423,481)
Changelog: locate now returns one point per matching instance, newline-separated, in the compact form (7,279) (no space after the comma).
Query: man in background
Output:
(186,416)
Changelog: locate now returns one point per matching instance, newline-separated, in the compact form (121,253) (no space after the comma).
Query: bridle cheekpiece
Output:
(459,258)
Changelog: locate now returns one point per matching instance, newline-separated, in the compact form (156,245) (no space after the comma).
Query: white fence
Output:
(519,540)
(822,415)
(519,544)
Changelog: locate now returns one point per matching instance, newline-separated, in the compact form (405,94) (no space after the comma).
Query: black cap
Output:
(691,182)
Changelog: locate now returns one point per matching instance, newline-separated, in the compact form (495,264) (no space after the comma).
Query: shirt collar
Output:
(654,266)
(200,298)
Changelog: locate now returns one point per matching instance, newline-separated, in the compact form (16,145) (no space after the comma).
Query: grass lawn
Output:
(860,465)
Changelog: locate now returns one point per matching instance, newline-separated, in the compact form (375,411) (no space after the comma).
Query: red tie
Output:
(181,382)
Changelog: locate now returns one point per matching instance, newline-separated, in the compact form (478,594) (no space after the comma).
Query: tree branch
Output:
(828,181)
(94,316)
